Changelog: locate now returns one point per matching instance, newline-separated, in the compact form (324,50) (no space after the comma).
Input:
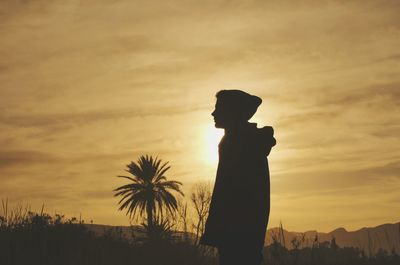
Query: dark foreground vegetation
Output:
(38,238)
(325,253)
(41,239)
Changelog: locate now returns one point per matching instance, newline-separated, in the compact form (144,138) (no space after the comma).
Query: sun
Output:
(213,137)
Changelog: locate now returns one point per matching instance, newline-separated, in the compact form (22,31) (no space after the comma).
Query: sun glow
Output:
(213,137)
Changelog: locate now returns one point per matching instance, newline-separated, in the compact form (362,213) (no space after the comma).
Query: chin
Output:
(217,125)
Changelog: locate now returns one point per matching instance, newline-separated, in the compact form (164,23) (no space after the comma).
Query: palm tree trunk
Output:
(149,210)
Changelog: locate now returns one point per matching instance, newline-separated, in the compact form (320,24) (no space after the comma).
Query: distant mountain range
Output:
(370,239)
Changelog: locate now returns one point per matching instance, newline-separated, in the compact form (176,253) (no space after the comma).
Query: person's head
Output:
(234,107)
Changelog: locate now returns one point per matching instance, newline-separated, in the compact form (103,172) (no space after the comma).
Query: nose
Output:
(213,113)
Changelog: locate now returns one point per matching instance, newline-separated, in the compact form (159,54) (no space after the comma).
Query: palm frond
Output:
(132,179)
(136,170)
(134,186)
(161,170)
(160,174)
(173,185)
(170,201)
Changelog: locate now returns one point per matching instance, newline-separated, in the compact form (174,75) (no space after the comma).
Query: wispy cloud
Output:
(88,86)
(23,158)
(65,119)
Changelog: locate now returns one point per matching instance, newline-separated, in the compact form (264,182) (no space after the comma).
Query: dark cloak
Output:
(240,203)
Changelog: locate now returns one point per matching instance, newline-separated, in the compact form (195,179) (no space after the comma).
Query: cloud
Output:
(384,172)
(380,93)
(24,158)
(66,119)
(83,83)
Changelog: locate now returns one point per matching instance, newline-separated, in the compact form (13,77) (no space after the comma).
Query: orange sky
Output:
(88,86)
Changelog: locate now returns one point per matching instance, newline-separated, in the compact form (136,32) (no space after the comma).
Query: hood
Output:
(265,138)
(261,139)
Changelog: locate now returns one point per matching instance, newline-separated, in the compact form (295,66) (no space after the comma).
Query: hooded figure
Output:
(240,203)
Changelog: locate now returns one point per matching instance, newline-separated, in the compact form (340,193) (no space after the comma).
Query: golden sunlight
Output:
(213,137)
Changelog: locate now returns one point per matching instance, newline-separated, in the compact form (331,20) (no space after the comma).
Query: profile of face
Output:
(224,117)
(234,108)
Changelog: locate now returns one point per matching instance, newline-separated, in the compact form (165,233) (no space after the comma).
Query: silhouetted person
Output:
(240,204)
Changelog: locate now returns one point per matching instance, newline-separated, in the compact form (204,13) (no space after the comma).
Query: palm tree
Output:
(149,189)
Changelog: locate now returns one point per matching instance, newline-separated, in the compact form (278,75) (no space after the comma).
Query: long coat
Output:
(240,203)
